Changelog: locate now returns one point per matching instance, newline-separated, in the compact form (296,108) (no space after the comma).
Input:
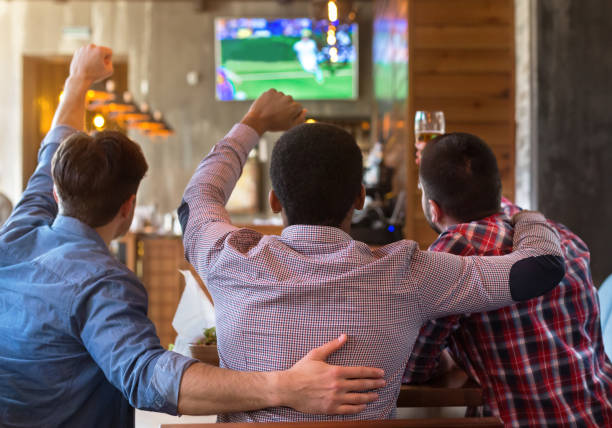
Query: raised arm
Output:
(37,205)
(450,284)
(202,213)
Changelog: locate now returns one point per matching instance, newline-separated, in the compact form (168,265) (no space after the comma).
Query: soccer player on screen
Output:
(306,50)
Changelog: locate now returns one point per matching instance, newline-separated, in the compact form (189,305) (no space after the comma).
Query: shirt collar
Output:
(493,218)
(311,233)
(76,227)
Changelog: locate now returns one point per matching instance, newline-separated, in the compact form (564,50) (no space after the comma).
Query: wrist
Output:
(254,122)
(77,84)
(276,387)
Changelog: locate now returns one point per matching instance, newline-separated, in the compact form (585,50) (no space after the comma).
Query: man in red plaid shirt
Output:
(540,362)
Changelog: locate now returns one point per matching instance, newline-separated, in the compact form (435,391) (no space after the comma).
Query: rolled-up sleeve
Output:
(110,317)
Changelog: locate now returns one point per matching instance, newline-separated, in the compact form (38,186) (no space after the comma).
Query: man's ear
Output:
(435,211)
(274,202)
(126,208)
(361,198)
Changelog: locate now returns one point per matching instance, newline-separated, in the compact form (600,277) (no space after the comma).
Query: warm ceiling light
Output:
(98,121)
(333,54)
(94,96)
(311,121)
(332,11)
(331,37)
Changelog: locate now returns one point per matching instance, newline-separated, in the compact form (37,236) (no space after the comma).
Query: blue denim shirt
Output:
(76,346)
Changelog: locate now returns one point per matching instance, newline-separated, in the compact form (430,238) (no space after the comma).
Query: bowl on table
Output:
(206,353)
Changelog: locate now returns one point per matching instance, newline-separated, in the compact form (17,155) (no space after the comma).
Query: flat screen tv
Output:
(290,55)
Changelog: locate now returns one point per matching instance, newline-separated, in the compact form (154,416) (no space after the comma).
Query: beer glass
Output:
(427,126)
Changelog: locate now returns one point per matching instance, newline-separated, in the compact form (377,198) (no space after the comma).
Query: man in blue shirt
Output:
(76,346)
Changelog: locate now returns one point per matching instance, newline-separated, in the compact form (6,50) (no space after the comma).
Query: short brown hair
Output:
(95,174)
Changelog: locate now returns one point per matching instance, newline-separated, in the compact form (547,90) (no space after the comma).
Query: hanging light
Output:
(331,35)
(112,106)
(99,96)
(151,123)
(99,122)
(141,114)
(127,111)
(159,127)
(333,54)
(332,11)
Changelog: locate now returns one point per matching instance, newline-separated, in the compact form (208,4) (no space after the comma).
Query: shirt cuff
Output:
(50,143)
(166,380)
(58,134)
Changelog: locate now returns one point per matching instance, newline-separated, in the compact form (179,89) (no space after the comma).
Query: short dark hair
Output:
(316,171)
(459,172)
(95,174)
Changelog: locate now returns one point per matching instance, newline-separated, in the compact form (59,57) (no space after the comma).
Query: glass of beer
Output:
(427,126)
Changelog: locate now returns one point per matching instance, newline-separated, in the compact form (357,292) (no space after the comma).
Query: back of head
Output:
(316,171)
(459,172)
(95,175)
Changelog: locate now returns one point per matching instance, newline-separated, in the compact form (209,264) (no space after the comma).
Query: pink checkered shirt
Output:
(540,362)
(277,297)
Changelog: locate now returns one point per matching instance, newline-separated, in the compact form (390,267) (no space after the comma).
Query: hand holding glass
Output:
(427,126)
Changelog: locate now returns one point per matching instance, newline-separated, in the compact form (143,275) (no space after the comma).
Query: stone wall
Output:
(574,123)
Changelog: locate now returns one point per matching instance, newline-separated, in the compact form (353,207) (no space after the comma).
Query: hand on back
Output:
(92,63)
(313,386)
(274,111)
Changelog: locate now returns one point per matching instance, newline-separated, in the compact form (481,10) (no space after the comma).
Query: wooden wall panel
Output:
(462,62)
(465,61)
(459,12)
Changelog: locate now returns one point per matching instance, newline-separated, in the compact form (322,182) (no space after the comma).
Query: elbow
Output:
(183,215)
(534,276)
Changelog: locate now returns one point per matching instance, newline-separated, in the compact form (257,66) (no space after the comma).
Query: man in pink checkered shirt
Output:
(540,362)
(276,297)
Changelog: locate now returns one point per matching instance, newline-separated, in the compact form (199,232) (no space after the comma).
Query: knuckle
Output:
(330,407)
(336,371)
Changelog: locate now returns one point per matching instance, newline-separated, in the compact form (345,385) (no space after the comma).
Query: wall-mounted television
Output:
(290,55)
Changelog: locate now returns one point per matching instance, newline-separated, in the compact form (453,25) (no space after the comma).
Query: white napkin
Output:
(193,314)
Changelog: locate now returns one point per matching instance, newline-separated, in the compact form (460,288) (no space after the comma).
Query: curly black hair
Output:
(459,171)
(316,171)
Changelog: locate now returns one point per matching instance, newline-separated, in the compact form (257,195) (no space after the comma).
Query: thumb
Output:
(324,351)
(300,118)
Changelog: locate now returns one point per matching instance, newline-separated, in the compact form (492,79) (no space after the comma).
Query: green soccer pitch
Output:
(252,78)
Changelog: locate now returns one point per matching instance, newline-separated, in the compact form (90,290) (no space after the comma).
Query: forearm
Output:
(71,110)
(476,284)
(425,358)
(208,390)
(202,213)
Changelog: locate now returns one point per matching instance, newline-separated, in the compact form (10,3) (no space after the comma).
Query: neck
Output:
(345,226)
(346,223)
(106,232)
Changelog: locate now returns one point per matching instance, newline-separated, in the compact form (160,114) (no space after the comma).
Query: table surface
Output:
(391,423)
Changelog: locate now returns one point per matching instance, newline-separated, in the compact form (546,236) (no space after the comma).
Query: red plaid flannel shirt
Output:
(540,362)
(278,297)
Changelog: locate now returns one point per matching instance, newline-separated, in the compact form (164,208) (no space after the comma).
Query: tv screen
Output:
(290,55)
